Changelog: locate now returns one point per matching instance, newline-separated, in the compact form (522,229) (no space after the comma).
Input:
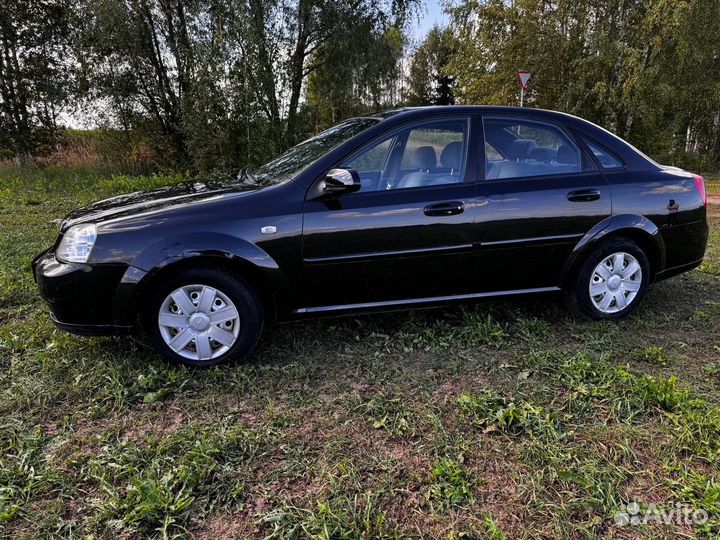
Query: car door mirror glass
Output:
(339,181)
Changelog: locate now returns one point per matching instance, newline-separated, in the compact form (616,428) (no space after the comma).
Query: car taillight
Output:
(700,184)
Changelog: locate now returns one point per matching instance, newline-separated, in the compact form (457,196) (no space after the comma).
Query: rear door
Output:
(541,193)
(409,232)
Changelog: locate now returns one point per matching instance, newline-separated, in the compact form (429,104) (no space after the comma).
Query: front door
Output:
(407,233)
(541,194)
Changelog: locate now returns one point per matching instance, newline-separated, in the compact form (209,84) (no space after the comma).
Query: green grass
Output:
(507,419)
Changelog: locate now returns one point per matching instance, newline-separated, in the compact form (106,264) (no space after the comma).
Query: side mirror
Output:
(339,181)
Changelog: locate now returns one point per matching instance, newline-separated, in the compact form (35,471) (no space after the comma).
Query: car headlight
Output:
(77,243)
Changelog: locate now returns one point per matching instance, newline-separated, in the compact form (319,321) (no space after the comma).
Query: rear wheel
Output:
(203,317)
(611,282)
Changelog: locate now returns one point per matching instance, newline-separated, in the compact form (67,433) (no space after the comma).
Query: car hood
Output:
(156,199)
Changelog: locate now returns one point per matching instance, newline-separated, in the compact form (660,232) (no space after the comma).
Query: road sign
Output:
(524,78)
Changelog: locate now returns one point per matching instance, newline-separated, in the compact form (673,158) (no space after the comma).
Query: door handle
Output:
(445,209)
(584,195)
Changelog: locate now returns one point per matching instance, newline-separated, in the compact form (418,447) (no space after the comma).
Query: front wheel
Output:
(612,281)
(203,317)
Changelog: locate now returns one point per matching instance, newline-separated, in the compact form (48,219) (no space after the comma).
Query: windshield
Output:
(292,162)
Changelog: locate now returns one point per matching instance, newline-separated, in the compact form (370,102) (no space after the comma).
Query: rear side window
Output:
(523,148)
(607,159)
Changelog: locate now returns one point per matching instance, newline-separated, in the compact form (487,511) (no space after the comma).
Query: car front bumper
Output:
(81,297)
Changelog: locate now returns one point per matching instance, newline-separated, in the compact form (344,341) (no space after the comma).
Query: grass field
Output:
(509,419)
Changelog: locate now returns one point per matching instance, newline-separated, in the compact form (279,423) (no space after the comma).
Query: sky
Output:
(429,17)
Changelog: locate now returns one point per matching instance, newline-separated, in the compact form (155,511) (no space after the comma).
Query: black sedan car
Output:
(402,208)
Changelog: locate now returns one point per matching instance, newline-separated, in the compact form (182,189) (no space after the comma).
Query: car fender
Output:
(635,227)
(224,247)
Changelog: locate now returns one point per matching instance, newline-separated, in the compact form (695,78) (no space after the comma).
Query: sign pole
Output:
(522,96)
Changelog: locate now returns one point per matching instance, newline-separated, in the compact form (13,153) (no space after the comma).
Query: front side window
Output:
(372,159)
(430,154)
(522,148)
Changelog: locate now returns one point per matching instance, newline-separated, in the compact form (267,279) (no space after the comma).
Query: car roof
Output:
(413,112)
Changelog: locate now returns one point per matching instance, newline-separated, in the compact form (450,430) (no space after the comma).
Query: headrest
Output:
(424,158)
(520,149)
(543,153)
(451,155)
(565,154)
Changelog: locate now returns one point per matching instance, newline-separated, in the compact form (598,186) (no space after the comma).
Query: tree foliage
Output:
(648,70)
(430,81)
(356,75)
(223,84)
(34,72)
(222,80)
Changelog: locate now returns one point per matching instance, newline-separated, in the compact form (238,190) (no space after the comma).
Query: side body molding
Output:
(160,255)
(635,227)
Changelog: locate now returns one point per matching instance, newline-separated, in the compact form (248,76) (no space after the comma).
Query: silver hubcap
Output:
(199,322)
(615,282)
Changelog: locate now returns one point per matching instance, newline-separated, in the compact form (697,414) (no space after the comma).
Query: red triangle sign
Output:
(524,77)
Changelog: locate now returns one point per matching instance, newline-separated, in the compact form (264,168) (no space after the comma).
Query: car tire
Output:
(618,271)
(206,331)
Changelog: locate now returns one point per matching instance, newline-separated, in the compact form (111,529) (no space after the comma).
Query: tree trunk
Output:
(297,67)
(168,97)
(266,72)
(13,95)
